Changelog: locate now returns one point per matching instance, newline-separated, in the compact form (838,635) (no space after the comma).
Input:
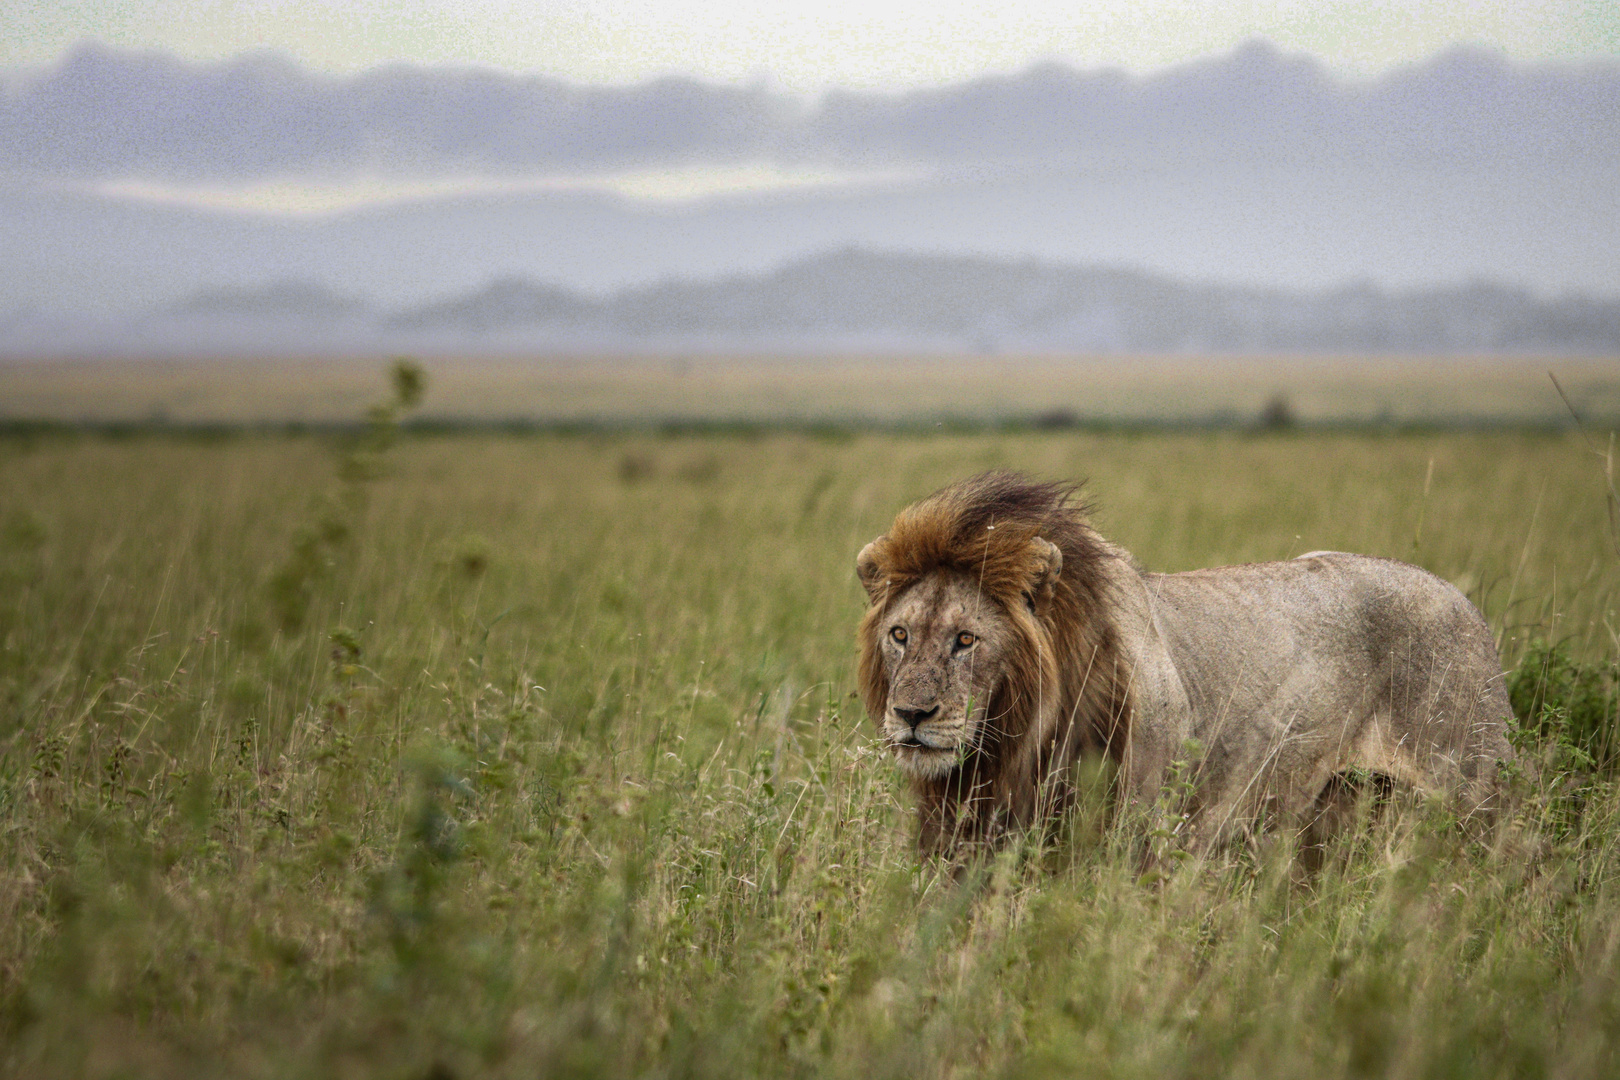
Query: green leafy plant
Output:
(317,543)
(1575,704)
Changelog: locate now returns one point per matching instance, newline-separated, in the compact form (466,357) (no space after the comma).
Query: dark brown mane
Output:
(1063,693)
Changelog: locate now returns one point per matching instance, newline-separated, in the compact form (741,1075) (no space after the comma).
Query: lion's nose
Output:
(913,717)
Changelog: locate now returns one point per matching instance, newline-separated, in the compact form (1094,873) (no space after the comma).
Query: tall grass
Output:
(558,772)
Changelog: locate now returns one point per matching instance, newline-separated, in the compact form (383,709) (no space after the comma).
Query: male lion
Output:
(1005,638)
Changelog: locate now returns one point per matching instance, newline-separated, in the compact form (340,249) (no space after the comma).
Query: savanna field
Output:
(404,754)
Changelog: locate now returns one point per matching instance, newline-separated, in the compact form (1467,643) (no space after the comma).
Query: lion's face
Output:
(943,646)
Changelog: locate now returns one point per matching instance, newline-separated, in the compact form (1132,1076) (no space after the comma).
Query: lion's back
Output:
(1351,607)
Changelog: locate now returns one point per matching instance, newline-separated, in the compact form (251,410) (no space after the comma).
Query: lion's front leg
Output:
(1143,769)
(1160,725)
(1161,794)
(1142,772)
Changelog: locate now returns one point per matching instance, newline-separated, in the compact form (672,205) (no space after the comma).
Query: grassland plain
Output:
(614,392)
(538,756)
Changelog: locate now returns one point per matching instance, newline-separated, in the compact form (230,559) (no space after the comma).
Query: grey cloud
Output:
(103,113)
(109,114)
(1464,107)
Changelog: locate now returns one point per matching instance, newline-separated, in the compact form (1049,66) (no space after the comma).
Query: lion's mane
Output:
(1064,692)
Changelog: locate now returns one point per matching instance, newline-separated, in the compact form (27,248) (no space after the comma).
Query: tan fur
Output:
(1284,675)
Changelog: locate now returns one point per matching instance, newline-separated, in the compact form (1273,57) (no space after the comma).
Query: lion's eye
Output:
(964,640)
(899,635)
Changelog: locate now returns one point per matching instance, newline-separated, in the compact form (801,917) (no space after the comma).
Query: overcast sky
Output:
(311,106)
(805,45)
(1271,141)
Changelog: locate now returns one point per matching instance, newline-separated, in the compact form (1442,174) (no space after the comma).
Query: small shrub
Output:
(1556,697)
(1055,420)
(634,468)
(315,545)
(1278,413)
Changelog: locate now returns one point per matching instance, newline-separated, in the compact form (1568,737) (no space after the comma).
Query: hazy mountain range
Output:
(854,300)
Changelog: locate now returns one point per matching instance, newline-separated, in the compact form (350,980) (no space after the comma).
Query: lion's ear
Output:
(867,568)
(1049,560)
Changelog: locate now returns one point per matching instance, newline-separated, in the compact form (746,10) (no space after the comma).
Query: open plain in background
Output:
(896,390)
(535,754)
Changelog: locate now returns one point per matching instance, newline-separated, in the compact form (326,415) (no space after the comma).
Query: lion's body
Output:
(1288,673)
(1285,674)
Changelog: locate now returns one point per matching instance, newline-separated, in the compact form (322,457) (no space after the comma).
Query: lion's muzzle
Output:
(914,724)
(925,743)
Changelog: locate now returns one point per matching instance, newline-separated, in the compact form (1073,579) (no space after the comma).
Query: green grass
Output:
(552,767)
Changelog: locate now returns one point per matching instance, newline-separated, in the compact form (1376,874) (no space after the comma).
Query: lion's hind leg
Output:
(1350,801)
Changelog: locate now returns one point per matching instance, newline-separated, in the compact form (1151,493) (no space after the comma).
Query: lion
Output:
(1005,639)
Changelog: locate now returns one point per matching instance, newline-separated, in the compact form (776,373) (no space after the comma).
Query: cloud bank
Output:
(110,115)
